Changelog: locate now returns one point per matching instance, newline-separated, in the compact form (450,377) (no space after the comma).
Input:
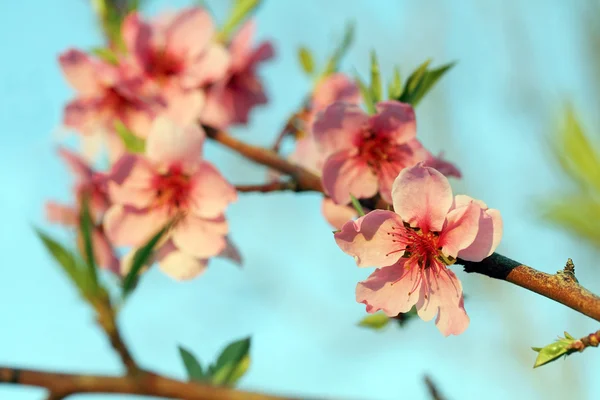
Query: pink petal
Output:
(263,52)
(488,236)
(218,110)
(344,174)
(78,166)
(389,289)
(460,229)
(61,214)
(336,128)
(241,44)
(200,237)
(210,193)
(334,88)
(396,120)
(137,36)
(178,264)
(337,215)
(443,296)
(189,33)
(231,252)
(387,174)
(128,226)
(81,72)
(370,241)
(82,114)
(130,182)
(445,167)
(104,253)
(211,67)
(422,197)
(184,106)
(308,155)
(170,144)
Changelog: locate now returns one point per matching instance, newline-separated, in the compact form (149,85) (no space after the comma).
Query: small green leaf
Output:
(306,60)
(86,228)
(339,52)
(240,11)
(70,263)
(415,78)
(192,366)
(421,81)
(228,365)
(105,54)
(375,79)
(140,258)
(133,143)
(551,353)
(375,321)
(366,95)
(395,86)
(567,336)
(357,206)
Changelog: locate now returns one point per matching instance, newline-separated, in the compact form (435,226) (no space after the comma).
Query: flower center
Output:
(374,148)
(172,189)
(164,65)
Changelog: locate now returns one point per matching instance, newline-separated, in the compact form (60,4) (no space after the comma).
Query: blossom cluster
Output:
(172,77)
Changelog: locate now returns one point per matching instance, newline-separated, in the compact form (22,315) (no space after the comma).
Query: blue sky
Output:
(517,62)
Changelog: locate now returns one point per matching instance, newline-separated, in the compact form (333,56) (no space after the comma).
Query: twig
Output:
(433,390)
(562,287)
(62,385)
(268,187)
(591,340)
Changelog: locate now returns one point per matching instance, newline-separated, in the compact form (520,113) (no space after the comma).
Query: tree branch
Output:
(62,385)
(279,186)
(561,287)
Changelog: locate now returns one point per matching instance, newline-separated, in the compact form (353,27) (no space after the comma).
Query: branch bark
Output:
(561,287)
(62,385)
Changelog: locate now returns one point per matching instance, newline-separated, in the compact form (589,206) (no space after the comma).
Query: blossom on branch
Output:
(413,246)
(170,181)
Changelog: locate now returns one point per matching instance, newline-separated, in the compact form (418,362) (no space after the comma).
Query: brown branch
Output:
(591,340)
(561,287)
(268,187)
(432,388)
(62,385)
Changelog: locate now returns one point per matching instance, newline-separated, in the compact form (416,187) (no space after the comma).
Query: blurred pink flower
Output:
(92,184)
(105,93)
(170,180)
(364,154)
(414,245)
(177,56)
(230,100)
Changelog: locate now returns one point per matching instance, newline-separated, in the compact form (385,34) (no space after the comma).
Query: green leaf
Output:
(395,86)
(240,11)
(86,228)
(105,54)
(577,213)
(140,258)
(375,321)
(133,143)
(567,336)
(70,263)
(366,95)
(415,78)
(339,52)
(306,60)
(357,206)
(232,363)
(111,18)
(375,79)
(421,81)
(551,353)
(192,366)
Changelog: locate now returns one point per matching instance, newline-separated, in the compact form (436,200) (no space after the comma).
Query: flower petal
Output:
(344,174)
(337,215)
(460,229)
(334,88)
(128,226)
(189,33)
(170,144)
(396,120)
(81,71)
(178,264)
(210,193)
(443,296)
(488,236)
(130,182)
(422,196)
(371,240)
(389,289)
(137,35)
(61,214)
(336,128)
(211,67)
(200,237)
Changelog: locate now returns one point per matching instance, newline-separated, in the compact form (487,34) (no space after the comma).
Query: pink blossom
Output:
(364,153)
(92,184)
(177,57)
(104,94)
(230,100)
(414,245)
(170,180)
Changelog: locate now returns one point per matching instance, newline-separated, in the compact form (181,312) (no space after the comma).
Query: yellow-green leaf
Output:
(357,206)
(375,79)
(339,52)
(366,96)
(240,10)
(306,60)
(375,321)
(133,143)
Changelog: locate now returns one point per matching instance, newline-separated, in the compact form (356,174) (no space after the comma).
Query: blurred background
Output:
(493,114)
